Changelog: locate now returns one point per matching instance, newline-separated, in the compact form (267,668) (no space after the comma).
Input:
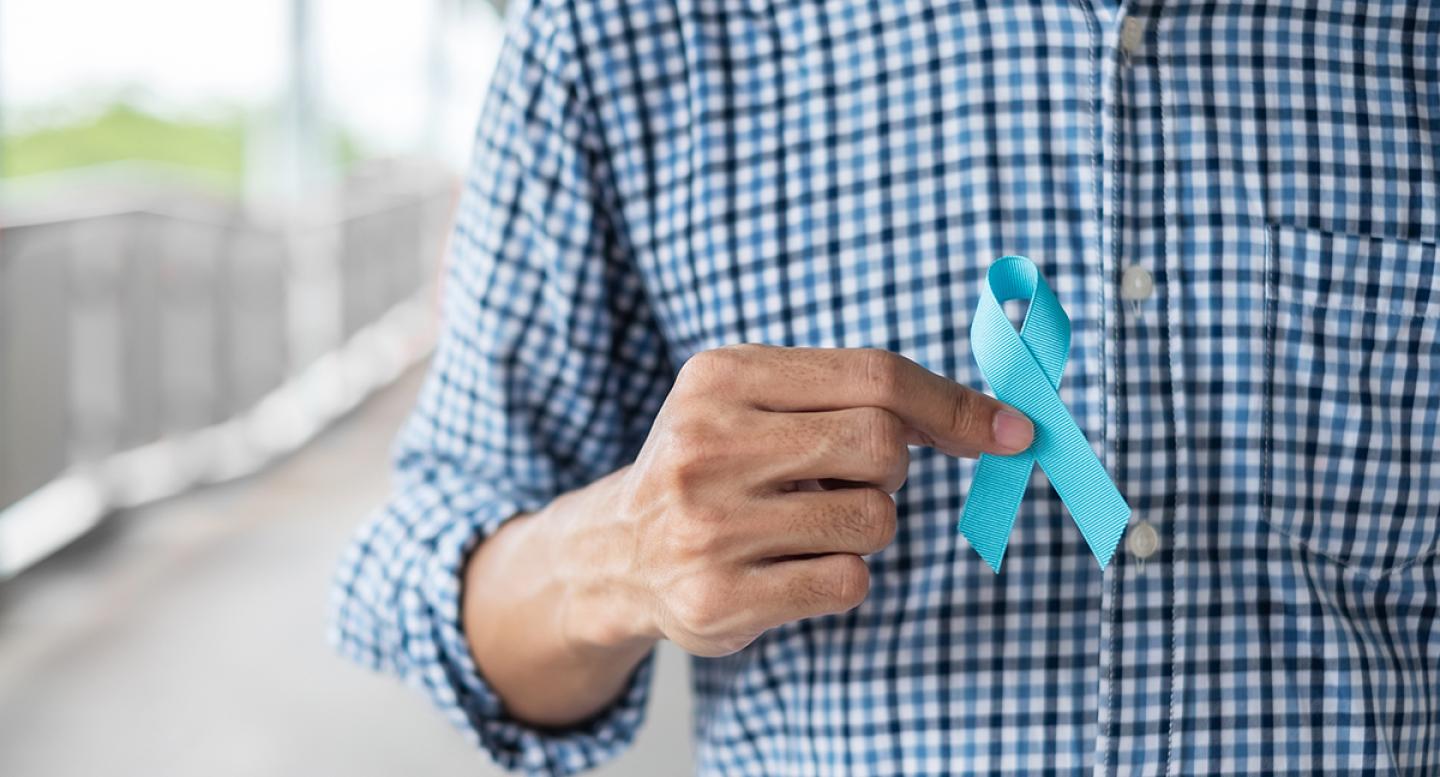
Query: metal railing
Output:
(153,338)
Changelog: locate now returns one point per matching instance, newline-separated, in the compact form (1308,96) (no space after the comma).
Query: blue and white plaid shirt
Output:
(1236,201)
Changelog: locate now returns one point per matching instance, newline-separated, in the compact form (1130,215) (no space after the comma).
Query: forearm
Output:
(548,614)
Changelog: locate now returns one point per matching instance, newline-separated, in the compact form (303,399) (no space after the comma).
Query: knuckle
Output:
(884,433)
(687,470)
(873,426)
(881,369)
(744,351)
(898,471)
(696,447)
(707,368)
(842,585)
(965,415)
(850,583)
(881,521)
(693,370)
(713,427)
(884,439)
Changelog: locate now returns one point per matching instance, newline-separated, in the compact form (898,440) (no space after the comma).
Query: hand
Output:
(767,475)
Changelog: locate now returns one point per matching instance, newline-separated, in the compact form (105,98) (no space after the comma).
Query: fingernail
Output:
(1013,431)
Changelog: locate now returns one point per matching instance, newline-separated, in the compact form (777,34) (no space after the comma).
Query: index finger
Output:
(945,415)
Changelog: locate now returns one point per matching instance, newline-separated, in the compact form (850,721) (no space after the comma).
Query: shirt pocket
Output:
(1353,396)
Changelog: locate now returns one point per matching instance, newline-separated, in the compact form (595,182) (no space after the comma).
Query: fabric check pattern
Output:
(655,178)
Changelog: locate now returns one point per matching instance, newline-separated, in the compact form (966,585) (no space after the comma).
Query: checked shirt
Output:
(1236,201)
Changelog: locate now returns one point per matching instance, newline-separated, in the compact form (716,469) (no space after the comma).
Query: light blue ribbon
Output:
(1024,370)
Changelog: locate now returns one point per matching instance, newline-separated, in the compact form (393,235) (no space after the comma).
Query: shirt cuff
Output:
(430,624)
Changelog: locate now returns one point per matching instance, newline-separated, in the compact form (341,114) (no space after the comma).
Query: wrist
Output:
(605,607)
(553,657)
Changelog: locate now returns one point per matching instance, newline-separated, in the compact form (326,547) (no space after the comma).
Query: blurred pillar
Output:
(307,200)
(308,154)
(437,74)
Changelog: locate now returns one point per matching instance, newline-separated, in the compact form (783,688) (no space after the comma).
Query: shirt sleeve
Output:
(547,375)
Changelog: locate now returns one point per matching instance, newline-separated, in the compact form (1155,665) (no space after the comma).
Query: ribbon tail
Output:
(994,499)
(1103,533)
(1084,486)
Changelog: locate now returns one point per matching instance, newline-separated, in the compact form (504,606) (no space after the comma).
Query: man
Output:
(1236,203)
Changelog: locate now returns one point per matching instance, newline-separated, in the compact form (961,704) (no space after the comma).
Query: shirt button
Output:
(1142,540)
(1136,284)
(1132,34)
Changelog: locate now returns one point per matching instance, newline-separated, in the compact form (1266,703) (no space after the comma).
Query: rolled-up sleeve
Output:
(548,372)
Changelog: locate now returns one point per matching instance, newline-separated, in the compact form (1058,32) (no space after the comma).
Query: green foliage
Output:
(215,148)
(122,132)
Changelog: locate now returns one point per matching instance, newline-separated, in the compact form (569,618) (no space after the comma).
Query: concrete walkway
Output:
(188,639)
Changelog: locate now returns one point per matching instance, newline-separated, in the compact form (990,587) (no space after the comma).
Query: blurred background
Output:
(220,232)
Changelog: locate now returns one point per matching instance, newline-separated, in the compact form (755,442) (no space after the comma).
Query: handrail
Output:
(145,350)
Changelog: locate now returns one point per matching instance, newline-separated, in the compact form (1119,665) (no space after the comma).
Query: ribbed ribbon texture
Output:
(1024,369)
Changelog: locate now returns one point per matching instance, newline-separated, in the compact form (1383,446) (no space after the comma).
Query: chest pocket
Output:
(1350,463)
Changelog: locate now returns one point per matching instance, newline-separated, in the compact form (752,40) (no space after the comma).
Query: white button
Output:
(1132,34)
(1142,540)
(1136,284)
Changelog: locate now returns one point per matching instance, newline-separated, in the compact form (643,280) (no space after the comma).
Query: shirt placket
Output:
(1137,630)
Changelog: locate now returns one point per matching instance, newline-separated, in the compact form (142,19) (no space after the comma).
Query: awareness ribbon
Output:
(1024,370)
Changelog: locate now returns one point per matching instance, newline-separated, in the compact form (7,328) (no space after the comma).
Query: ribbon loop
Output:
(1024,369)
